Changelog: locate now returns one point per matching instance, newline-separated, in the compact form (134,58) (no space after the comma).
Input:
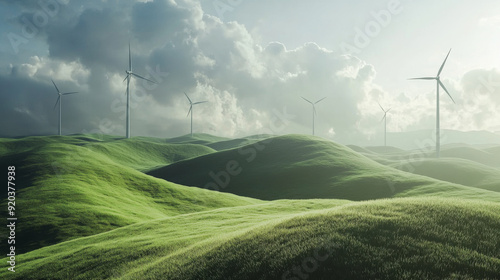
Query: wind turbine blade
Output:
(444,62)
(126,78)
(140,77)
(55,85)
(191,102)
(200,102)
(320,100)
(388,110)
(129,58)
(306,100)
(190,108)
(383,118)
(380,106)
(66,93)
(423,78)
(55,105)
(443,87)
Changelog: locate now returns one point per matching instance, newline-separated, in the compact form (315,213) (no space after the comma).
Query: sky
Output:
(252,61)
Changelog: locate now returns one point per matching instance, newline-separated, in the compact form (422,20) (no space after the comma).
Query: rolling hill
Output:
(303,167)
(455,170)
(88,209)
(66,189)
(321,239)
(197,138)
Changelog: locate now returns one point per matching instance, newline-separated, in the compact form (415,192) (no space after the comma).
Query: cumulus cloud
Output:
(185,50)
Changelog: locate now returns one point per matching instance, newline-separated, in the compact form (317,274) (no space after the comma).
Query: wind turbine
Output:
(130,74)
(191,110)
(385,123)
(439,84)
(59,100)
(314,107)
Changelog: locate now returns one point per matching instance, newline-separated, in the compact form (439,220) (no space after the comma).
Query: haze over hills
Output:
(91,211)
(425,139)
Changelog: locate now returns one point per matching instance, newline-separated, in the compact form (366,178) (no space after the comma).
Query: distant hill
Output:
(303,167)
(421,139)
(459,171)
(197,138)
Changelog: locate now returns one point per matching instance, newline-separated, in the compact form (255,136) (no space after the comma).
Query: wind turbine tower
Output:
(129,76)
(438,85)
(59,100)
(191,104)
(385,123)
(314,109)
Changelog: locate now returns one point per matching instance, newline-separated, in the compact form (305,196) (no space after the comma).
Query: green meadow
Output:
(262,207)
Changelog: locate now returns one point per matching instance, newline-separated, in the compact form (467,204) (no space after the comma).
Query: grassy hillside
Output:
(145,155)
(237,143)
(455,170)
(323,239)
(66,189)
(87,210)
(296,166)
(197,138)
(489,156)
(460,164)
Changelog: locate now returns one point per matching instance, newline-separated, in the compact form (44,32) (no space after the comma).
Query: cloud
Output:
(489,22)
(185,50)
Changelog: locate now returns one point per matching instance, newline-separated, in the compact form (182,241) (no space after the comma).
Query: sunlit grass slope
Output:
(298,167)
(387,239)
(145,155)
(66,189)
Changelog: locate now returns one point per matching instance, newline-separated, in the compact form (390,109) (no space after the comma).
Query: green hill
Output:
(458,171)
(323,239)
(197,138)
(87,210)
(66,189)
(302,167)
(145,155)
(489,156)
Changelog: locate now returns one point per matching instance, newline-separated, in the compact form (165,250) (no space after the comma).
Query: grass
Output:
(385,239)
(66,189)
(87,210)
(145,155)
(455,170)
(303,167)
(197,138)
